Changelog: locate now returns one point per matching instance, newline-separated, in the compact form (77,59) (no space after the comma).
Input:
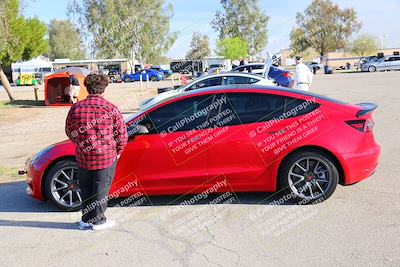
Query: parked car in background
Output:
(384,63)
(227,78)
(255,68)
(167,72)
(114,76)
(192,141)
(280,77)
(152,74)
(314,66)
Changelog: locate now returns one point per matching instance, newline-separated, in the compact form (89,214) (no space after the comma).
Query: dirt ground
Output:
(358,226)
(27,126)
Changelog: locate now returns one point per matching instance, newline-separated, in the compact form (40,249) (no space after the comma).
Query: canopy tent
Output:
(37,66)
(55,84)
(33,64)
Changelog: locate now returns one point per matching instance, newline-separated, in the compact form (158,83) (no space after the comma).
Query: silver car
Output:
(384,63)
(227,78)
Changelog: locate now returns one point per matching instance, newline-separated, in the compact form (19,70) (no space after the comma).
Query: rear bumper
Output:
(361,164)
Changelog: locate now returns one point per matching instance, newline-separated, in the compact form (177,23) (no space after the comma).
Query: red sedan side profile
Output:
(241,138)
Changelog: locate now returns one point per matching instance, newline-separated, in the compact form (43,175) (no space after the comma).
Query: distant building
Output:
(336,60)
(96,65)
(340,59)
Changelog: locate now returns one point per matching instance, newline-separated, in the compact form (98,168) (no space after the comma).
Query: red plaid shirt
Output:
(97,129)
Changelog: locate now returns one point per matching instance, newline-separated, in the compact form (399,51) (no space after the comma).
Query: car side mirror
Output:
(137,129)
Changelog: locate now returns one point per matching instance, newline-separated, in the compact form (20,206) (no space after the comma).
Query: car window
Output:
(257,67)
(253,80)
(206,83)
(240,69)
(244,108)
(183,115)
(236,80)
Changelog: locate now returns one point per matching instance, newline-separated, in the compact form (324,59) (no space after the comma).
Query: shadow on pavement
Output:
(13,198)
(39,224)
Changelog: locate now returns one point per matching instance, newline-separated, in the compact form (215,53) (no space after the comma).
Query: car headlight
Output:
(40,154)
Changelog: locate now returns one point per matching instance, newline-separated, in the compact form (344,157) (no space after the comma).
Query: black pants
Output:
(95,185)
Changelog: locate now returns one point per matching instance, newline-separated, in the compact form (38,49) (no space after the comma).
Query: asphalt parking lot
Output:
(358,226)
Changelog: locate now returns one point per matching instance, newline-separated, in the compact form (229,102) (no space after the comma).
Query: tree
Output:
(21,39)
(298,44)
(324,27)
(130,28)
(64,40)
(232,48)
(364,45)
(243,19)
(199,47)
(35,43)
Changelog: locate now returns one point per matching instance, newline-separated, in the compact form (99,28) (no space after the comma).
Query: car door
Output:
(395,63)
(244,134)
(164,160)
(385,64)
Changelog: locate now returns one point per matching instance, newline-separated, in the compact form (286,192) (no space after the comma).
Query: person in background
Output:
(99,133)
(71,92)
(302,75)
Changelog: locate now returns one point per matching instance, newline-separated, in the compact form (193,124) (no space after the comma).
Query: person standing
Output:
(302,75)
(72,91)
(97,129)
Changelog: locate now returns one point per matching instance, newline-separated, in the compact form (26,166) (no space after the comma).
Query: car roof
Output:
(239,87)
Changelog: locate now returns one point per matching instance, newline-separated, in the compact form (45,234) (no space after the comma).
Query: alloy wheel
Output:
(310,178)
(65,187)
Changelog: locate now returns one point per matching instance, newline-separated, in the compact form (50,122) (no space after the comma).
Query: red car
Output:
(236,138)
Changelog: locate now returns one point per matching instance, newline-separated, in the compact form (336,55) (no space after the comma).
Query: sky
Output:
(379,18)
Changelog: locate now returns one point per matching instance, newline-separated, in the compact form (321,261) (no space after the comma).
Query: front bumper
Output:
(34,174)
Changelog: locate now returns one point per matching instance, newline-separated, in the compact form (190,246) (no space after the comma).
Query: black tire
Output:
(154,78)
(371,68)
(49,183)
(127,80)
(323,177)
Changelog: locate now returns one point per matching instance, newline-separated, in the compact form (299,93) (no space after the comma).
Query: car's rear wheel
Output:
(62,186)
(127,80)
(309,176)
(371,68)
(153,78)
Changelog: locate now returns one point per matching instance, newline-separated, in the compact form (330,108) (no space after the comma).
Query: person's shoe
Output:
(85,226)
(103,226)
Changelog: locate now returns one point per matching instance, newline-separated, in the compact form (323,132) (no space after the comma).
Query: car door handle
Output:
(281,131)
(193,139)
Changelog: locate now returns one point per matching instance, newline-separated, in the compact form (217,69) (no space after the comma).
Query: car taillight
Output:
(286,74)
(362,125)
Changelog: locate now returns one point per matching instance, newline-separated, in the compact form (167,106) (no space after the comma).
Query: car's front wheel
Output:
(371,68)
(62,186)
(153,78)
(309,176)
(127,80)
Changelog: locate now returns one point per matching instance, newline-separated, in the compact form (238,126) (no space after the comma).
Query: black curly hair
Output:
(95,83)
